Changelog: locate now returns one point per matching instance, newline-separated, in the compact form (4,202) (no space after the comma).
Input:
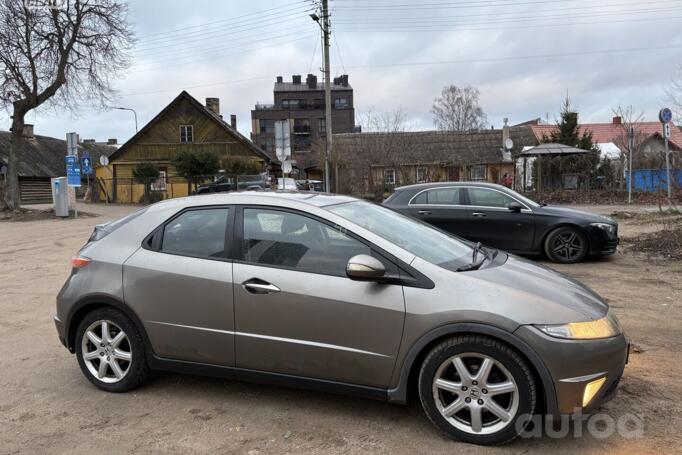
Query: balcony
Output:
(302,129)
(266,107)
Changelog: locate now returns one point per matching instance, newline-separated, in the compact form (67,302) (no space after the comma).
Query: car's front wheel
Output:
(566,245)
(477,389)
(110,351)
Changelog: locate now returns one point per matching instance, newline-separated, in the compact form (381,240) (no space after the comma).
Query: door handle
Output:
(478,214)
(257,286)
(424,212)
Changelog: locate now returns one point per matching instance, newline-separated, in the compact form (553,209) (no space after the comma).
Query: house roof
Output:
(553,150)
(426,147)
(614,132)
(43,156)
(222,123)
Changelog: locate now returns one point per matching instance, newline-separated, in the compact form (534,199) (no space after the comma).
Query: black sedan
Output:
(501,218)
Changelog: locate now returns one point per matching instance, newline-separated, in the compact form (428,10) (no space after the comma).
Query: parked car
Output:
(310,185)
(502,218)
(224,184)
(332,293)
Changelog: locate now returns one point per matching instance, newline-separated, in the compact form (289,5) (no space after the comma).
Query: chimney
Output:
(344,80)
(112,141)
(214,105)
(617,121)
(296,78)
(233,121)
(311,80)
(280,79)
(88,141)
(28,131)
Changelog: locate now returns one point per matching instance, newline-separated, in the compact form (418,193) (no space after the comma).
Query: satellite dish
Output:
(509,144)
(103,160)
(286,167)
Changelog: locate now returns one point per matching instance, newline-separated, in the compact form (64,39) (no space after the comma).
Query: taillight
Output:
(79,261)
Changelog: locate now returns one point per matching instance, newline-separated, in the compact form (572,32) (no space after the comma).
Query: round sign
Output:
(665,115)
(103,160)
(286,167)
(509,144)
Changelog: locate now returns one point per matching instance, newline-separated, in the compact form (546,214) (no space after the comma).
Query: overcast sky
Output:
(523,55)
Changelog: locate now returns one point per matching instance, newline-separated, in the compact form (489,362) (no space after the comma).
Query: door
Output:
(492,223)
(442,207)
(181,288)
(297,313)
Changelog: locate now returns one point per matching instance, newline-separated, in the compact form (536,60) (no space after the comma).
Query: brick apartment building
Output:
(302,102)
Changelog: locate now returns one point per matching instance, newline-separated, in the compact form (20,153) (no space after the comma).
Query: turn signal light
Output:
(79,261)
(591,390)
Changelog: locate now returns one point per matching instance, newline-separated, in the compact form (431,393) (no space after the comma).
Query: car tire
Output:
(477,392)
(111,361)
(566,245)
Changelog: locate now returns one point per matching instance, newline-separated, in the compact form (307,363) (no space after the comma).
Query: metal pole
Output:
(667,171)
(131,110)
(631,145)
(327,94)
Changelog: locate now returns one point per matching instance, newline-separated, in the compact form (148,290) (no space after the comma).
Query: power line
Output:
(312,57)
(445,5)
(338,52)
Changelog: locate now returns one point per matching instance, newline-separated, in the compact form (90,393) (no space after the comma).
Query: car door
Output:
(297,313)
(180,286)
(441,207)
(492,223)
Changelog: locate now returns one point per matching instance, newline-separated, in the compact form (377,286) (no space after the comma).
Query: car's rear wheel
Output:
(477,389)
(566,245)
(110,351)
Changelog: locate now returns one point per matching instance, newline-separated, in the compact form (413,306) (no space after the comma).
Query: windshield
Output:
(418,238)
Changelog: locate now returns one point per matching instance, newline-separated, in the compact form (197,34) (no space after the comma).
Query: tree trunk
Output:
(189,186)
(12,194)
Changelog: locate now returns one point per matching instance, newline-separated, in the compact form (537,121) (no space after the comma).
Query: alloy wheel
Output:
(475,393)
(568,245)
(106,351)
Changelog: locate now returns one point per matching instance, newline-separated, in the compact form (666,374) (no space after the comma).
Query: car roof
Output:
(316,199)
(421,186)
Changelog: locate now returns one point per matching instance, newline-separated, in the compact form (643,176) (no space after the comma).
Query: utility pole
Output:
(665,116)
(631,145)
(327,95)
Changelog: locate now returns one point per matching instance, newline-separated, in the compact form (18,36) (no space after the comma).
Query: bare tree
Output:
(629,118)
(458,109)
(60,53)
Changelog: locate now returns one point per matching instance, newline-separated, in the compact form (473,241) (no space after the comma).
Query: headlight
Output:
(605,327)
(604,226)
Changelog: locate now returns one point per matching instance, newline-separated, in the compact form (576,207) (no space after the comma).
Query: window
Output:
(422,174)
(389,176)
(186,133)
(321,126)
(440,196)
(292,104)
(198,233)
(301,125)
(318,103)
(160,183)
(284,239)
(266,126)
(483,197)
(340,103)
(478,172)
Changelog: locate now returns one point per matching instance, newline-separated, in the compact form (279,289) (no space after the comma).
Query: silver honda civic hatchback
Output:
(333,293)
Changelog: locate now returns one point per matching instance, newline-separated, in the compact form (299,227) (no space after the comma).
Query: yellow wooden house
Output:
(184,125)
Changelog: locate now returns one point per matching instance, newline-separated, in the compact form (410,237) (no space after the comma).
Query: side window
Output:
(198,232)
(488,198)
(440,196)
(285,239)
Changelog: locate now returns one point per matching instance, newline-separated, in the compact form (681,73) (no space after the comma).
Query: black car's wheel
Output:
(477,389)
(110,351)
(566,245)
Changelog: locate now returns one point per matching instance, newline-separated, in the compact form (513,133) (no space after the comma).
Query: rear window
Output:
(102,230)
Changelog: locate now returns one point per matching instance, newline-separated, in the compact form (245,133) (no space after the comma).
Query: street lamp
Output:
(128,109)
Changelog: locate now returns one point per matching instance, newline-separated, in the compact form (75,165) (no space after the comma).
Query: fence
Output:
(653,180)
(133,191)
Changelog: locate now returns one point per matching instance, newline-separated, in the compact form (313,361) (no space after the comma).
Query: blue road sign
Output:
(86,165)
(665,115)
(73,171)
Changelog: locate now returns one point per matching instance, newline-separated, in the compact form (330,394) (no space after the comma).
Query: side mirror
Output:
(515,207)
(364,268)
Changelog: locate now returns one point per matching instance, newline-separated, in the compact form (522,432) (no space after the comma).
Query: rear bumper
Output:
(60,330)
(573,364)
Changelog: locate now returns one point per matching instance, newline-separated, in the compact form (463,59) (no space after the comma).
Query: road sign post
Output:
(73,177)
(665,116)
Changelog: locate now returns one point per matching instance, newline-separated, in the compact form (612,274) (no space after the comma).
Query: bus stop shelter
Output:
(544,151)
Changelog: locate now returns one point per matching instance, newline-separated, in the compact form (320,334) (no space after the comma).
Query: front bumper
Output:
(573,364)
(602,242)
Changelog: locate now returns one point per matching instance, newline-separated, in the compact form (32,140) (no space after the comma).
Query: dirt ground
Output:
(47,406)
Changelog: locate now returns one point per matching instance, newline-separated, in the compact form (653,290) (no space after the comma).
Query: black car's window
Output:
(198,232)
(440,196)
(285,239)
(483,197)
